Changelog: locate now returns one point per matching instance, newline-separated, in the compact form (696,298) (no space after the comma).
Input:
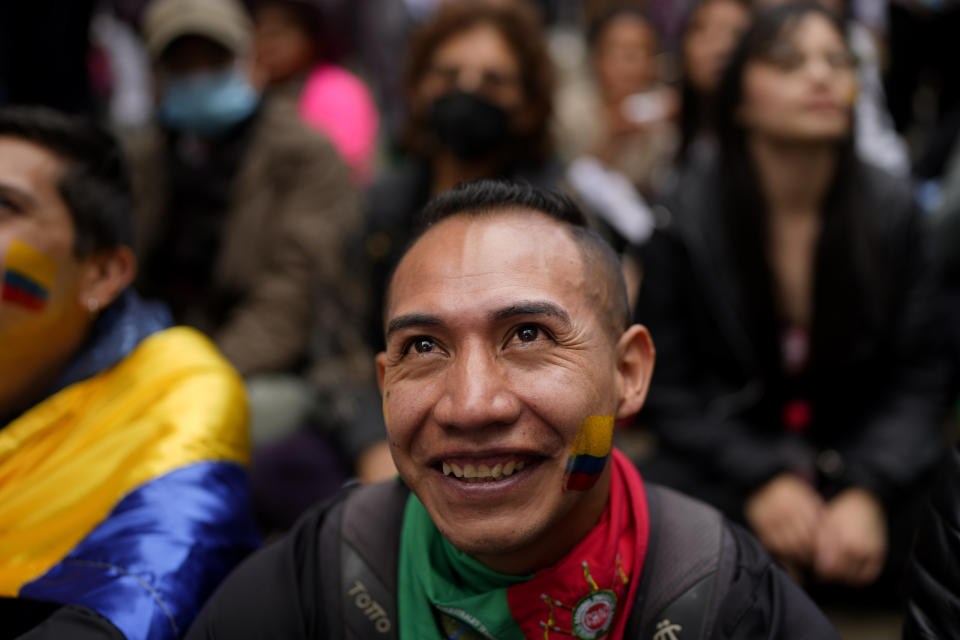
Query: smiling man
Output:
(509,358)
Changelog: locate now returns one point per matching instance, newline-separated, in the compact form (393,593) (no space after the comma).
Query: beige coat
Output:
(293,208)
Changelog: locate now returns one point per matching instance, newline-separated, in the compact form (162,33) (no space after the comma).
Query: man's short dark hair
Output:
(94,184)
(490,197)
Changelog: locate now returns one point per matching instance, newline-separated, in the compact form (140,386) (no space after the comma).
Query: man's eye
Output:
(423,345)
(6,204)
(528,333)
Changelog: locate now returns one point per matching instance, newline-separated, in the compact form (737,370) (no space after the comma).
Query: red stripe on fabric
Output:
(22,298)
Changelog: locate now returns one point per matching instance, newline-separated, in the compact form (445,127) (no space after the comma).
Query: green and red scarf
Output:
(445,594)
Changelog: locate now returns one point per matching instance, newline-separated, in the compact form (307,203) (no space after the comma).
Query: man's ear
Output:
(104,275)
(634,359)
(381,369)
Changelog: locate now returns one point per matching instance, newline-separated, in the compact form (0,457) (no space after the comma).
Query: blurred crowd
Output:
(781,180)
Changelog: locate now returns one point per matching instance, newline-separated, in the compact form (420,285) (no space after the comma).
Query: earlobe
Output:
(635,357)
(105,276)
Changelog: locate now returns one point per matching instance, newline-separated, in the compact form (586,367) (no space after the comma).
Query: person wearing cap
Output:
(243,214)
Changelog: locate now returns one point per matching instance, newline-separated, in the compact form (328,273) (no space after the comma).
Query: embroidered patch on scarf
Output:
(28,277)
(589,454)
(590,618)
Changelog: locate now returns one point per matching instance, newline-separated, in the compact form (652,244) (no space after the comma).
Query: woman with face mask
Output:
(800,379)
(478,84)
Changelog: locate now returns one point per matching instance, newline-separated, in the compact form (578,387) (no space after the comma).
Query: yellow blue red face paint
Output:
(28,277)
(589,454)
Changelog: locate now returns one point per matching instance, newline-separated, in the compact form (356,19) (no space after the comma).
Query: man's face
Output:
(39,273)
(495,357)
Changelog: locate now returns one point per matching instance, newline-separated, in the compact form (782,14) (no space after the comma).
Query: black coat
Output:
(283,591)
(876,376)
(933,610)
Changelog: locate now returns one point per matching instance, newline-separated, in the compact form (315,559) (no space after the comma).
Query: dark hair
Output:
(695,108)
(491,197)
(766,30)
(520,27)
(94,184)
(743,206)
(604,20)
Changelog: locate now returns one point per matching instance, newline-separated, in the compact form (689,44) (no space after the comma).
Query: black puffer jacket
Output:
(934,607)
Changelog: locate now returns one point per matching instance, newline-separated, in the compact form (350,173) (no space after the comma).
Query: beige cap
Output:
(224,21)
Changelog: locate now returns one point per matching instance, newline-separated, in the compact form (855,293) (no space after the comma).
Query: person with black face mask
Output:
(479,85)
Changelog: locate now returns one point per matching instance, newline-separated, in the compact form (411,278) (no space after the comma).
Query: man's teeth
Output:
(482,472)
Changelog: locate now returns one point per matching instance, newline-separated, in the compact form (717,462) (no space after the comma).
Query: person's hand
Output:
(852,542)
(375,463)
(785,514)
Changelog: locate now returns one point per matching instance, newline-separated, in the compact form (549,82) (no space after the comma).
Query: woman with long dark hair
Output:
(799,381)
(710,32)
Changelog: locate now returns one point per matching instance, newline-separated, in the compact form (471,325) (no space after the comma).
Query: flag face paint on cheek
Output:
(28,277)
(589,454)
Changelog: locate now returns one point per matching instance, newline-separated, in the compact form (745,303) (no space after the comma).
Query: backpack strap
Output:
(689,560)
(362,604)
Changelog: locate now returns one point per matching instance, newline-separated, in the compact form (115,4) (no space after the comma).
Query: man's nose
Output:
(477,392)
(470,80)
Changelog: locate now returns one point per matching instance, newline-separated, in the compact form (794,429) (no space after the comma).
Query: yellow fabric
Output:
(595,437)
(66,463)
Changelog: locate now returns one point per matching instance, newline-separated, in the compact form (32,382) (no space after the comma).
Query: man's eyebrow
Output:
(535,308)
(16,192)
(412,320)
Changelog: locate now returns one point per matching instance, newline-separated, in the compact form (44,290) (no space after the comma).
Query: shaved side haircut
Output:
(482,198)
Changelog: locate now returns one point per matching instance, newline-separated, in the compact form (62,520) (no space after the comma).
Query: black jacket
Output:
(933,610)
(876,375)
(301,588)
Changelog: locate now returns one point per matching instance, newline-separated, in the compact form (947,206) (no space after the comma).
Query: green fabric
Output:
(435,577)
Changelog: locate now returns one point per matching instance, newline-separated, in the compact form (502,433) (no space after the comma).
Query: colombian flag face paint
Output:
(589,454)
(28,277)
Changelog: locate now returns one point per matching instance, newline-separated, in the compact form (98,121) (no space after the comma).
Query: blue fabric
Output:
(117,331)
(160,553)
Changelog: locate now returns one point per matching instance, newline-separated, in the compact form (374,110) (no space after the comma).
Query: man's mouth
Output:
(470,472)
(491,468)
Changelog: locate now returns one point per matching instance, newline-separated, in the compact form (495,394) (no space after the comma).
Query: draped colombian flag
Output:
(126,493)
